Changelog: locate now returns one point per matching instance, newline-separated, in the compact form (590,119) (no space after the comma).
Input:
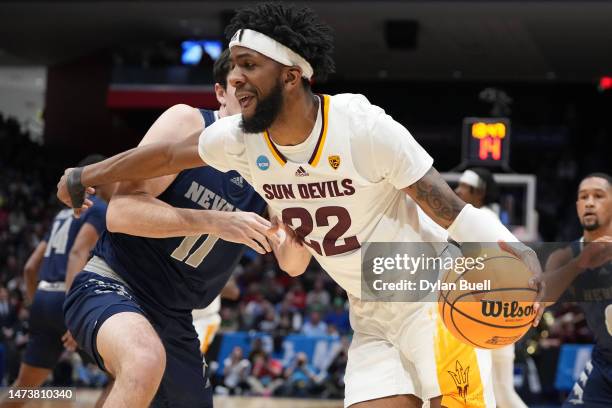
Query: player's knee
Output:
(146,363)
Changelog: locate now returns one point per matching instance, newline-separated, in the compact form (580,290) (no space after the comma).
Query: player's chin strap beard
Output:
(75,188)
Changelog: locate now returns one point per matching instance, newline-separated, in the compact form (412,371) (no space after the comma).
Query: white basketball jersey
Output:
(326,199)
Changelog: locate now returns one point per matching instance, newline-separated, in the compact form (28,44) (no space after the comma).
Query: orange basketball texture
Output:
(493,317)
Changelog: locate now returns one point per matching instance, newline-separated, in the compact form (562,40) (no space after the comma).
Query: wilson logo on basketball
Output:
(506,309)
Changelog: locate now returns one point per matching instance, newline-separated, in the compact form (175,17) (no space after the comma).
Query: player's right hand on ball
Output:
(245,228)
(596,253)
(63,194)
(530,258)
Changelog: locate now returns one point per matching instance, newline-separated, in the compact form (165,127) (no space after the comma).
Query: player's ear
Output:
(220,94)
(293,76)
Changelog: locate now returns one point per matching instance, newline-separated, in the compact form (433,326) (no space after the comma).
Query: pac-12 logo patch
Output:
(334,161)
(263,163)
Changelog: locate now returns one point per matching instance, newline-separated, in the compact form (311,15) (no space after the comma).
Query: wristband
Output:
(475,225)
(75,188)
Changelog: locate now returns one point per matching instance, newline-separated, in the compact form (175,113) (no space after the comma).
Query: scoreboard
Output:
(486,142)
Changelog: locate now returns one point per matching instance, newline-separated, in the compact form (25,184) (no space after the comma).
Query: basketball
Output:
(489,305)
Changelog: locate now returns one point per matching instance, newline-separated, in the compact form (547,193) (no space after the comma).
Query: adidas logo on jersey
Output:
(300,172)
(238,180)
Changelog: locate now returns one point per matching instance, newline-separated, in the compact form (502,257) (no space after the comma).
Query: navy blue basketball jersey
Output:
(183,273)
(62,235)
(593,290)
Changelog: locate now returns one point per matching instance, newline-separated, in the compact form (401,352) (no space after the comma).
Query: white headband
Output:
(470,178)
(271,48)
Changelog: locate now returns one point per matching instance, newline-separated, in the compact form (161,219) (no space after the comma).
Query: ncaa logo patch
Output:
(334,161)
(263,163)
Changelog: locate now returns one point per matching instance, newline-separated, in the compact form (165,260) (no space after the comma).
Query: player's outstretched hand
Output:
(289,248)
(529,257)
(69,342)
(284,234)
(71,192)
(244,228)
(596,253)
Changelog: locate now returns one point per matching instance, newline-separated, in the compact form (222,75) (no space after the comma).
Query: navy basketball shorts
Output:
(594,386)
(94,298)
(46,329)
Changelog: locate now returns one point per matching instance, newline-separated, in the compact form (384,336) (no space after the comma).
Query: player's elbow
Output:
(77,255)
(115,222)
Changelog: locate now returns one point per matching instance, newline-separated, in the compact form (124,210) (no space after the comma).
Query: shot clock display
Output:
(486,142)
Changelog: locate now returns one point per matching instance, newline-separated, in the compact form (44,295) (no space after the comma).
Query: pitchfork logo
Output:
(461,379)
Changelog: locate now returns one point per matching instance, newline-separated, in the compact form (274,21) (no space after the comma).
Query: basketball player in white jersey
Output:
(478,187)
(341,173)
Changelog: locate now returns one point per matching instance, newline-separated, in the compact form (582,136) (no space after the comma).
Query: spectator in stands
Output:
(289,319)
(314,326)
(332,331)
(269,323)
(301,378)
(334,382)
(265,375)
(298,296)
(235,372)
(318,298)
(8,314)
(339,316)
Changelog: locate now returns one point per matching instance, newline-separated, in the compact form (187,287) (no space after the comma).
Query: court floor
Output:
(87,398)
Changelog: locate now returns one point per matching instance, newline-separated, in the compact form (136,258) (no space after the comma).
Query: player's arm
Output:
(436,198)
(170,145)
(562,267)
(31,268)
(560,270)
(79,253)
(407,166)
(135,209)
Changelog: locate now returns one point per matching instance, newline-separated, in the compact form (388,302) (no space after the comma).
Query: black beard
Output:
(591,227)
(266,111)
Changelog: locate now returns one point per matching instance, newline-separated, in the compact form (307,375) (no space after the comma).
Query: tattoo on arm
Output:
(436,198)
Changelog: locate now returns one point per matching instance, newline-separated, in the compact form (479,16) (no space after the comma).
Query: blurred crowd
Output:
(274,305)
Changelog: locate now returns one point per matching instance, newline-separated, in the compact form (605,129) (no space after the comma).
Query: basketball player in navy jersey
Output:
(586,264)
(171,245)
(63,252)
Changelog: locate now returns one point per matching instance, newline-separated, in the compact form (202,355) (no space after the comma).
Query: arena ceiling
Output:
(484,40)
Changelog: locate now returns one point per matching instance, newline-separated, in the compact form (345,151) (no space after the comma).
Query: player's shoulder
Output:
(353,103)
(182,110)
(182,113)
(228,128)
(360,112)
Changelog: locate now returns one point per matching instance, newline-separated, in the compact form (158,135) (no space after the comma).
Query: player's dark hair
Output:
(221,68)
(491,186)
(298,28)
(91,159)
(604,176)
